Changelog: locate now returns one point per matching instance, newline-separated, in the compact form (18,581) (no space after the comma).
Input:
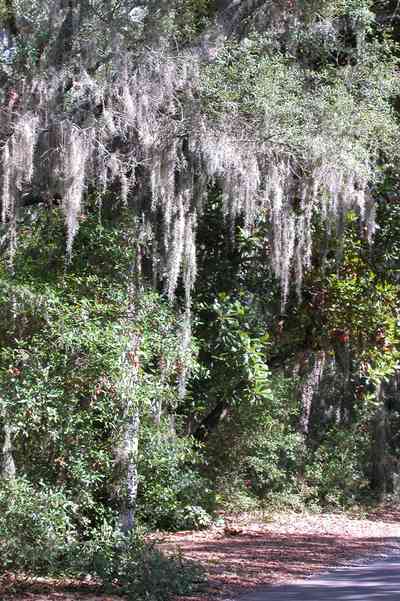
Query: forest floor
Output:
(250,552)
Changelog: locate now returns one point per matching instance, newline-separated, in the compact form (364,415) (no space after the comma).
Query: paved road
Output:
(375,581)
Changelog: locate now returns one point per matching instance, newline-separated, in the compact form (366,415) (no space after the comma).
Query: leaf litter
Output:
(251,552)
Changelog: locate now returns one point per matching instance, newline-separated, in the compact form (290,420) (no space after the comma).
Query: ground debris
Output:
(285,547)
(265,549)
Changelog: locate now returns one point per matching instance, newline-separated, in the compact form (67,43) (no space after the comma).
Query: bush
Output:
(256,450)
(273,460)
(235,495)
(136,567)
(336,469)
(192,517)
(172,493)
(37,528)
(38,536)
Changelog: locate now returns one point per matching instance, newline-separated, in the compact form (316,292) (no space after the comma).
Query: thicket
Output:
(199,272)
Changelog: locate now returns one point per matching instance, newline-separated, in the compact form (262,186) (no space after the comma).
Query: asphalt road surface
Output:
(374,581)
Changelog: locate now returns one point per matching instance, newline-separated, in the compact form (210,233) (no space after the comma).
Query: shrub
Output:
(256,450)
(235,495)
(172,493)
(37,527)
(273,460)
(137,567)
(336,469)
(38,536)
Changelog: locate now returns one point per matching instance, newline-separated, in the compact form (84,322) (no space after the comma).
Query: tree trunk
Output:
(379,448)
(309,388)
(210,422)
(8,469)
(131,447)
(127,453)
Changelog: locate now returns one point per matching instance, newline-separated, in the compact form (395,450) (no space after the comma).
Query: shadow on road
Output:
(379,581)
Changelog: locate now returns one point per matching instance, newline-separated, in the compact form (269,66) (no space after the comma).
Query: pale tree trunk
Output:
(8,469)
(309,388)
(131,446)
(7,466)
(127,451)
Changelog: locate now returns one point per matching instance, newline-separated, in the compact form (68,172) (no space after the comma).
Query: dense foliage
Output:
(199,271)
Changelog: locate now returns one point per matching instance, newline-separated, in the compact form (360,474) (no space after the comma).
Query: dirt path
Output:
(287,548)
(252,553)
(373,581)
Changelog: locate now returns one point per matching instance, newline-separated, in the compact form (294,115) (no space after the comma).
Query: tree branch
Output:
(10,19)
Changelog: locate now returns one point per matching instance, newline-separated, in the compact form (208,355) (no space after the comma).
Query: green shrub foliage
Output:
(38,527)
(172,492)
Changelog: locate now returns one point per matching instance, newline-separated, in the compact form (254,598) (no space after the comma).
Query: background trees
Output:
(199,262)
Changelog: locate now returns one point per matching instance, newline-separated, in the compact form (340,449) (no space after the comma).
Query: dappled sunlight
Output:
(284,550)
